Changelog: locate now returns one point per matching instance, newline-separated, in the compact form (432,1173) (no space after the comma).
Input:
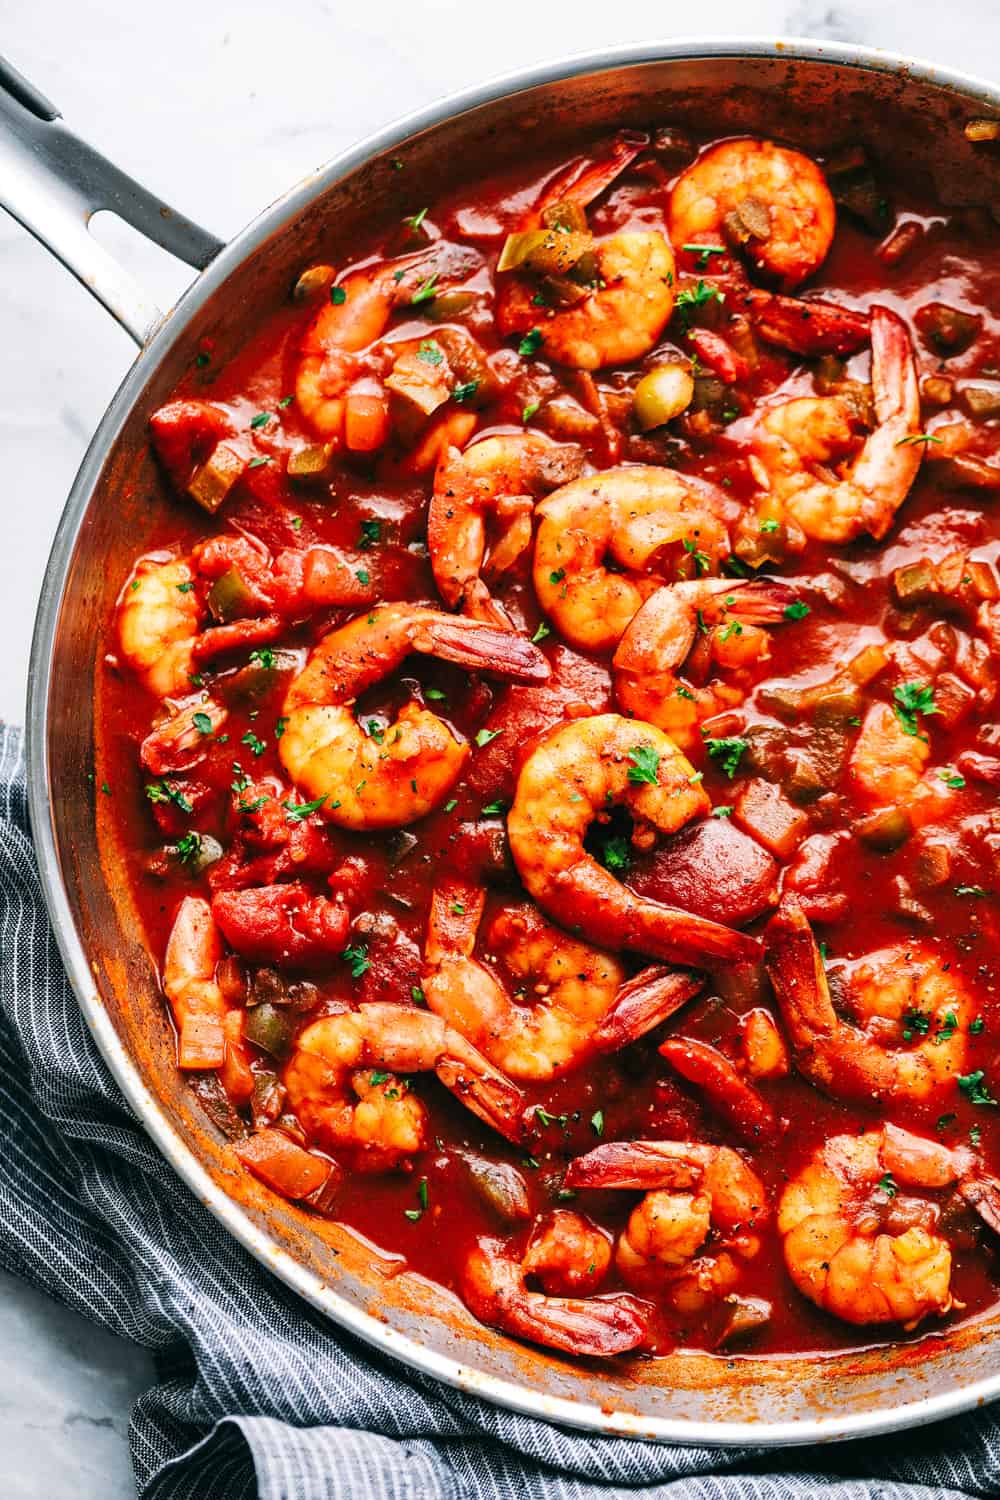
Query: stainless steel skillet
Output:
(817,95)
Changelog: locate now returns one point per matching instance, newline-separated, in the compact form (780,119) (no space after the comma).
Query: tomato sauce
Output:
(870,873)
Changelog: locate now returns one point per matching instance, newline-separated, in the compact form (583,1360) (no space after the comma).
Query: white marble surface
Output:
(219,107)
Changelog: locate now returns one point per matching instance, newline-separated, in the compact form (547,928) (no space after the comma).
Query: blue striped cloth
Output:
(259,1395)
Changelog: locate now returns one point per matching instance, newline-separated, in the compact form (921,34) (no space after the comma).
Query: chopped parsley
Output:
(701,560)
(493,809)
(615,855)
(430,353)
(529,410)
(970,890)
(415,1214)
(338,296)
(363,576)
(425,292)
(261,419)
(417,995)
(414,221)
(279,728)
(768,526)
(188,847)
(917,437)
(796,610)
(645,764)
(297,812)
(975,1088)
(888,1185)
(975,1135)
(544,1118)
(703,252)
(202,723)
(542,631)
(182,588)
(465,392)
(162,791)
(728,752)
(951,778)
(483,736)
(722,811)
(435,695)
(260,461)
(264,658)
(977,1026)
(256,746)
(597,1122)
(371,532)
(355,956)
(911,700)
(531,343)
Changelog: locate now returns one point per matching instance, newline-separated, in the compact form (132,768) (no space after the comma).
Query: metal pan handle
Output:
(53,183)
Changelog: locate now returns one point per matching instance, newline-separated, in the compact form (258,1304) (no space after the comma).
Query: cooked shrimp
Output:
(912,1016)
(649,521)
(386,781)
(496,479)
(859,1247)
(338,332)
(801,438)
(889,767)
(568,1254)
(160,625)
(772,203)
(620,288)
(659,639)
(571,999)
(183,739)
(209,1034)
(575,777)
(159,617)
(493,1287)
(691,1191)
(343,1084)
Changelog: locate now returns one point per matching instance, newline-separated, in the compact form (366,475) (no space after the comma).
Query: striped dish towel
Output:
(258,1394)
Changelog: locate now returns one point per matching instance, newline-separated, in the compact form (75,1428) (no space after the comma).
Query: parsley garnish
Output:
(371,532)
(162,791)
(414,221)
(645,764)
(425,292)
(483,736)
(767,526)
(258,463)
(597,1122)
(256,746)
(529,410)
(188,847)
(338,296)
(264,658)
(531,343)
(202,723)
(261,419)
(952,779)
(542,631)
(363,576)
(888,1185)
(701,560)
(465,392)
(796,610)
(975,1089)
(917,437)
(430,353)
(703,252)
(355,955)
(297,812)
(913,698)
(493,809)
(728,752)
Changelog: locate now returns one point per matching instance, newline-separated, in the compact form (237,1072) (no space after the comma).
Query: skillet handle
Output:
(53,183)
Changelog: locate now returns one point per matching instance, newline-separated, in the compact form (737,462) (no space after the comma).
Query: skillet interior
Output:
(914,126)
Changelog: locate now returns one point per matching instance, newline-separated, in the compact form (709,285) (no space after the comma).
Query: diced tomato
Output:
(184,434)
(282,1165)
(278,924)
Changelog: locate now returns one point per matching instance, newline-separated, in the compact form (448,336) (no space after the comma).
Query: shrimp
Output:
(691,1191)
(659,639)
(492,1285)
(568,1254)
(209,1034)
(343,1084)
(800,439)
(575,777)
(771,202)
(648,520)
(159,616)
(386,780)
(910,1038)
(496,478)
(619,289)
(889,769)
(572,999)
(859,1247)
(160,625)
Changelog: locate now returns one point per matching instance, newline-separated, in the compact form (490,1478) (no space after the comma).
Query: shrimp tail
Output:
(729,1094)
(480,647)
(760,601)
(482,1088)
(795,967)
(494,1289)
(642,1166)
(648,999)
(897,407)
(582,182)
(983,1195)
(680,937)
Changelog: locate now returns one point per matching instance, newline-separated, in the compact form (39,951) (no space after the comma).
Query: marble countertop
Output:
(219,108)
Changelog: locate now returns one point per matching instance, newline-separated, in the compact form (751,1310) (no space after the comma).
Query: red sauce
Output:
(863,897)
